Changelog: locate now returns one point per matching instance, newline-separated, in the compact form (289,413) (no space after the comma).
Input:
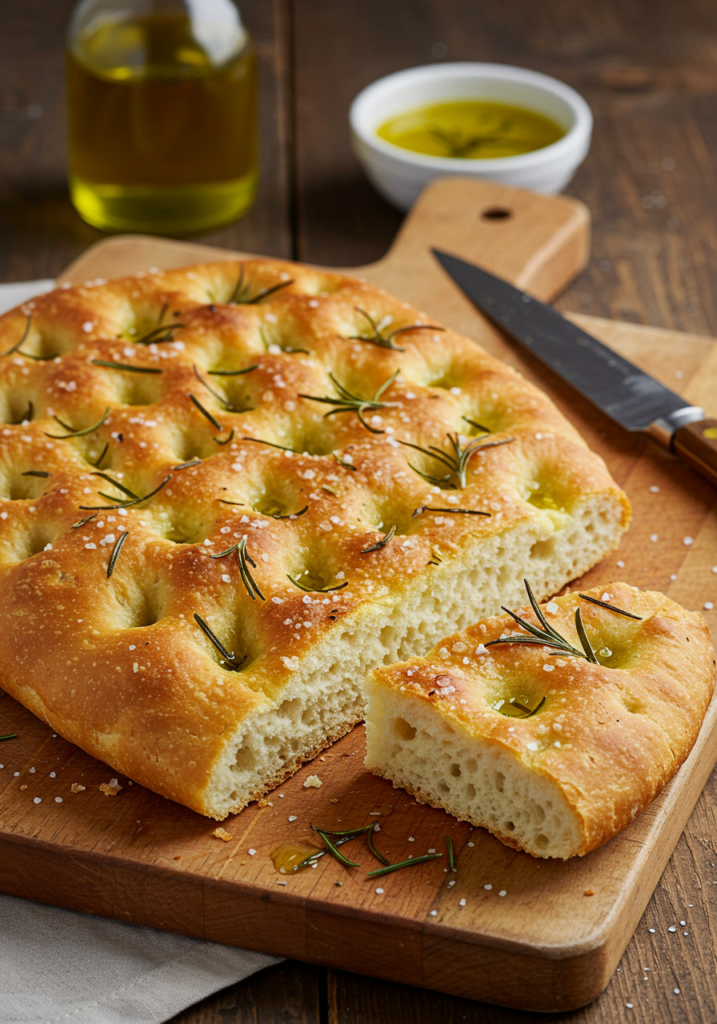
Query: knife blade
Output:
(620,389)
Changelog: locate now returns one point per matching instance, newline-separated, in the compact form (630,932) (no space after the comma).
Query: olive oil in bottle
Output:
(162,109)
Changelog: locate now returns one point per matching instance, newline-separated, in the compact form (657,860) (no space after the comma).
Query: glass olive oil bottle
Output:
(162,108)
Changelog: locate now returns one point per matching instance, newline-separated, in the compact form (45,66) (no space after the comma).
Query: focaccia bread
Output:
(551,752)
(213,522)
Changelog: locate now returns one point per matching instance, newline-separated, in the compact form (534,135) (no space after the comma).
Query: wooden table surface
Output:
(649,72)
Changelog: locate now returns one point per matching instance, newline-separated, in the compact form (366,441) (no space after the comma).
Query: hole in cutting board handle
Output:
(496,213)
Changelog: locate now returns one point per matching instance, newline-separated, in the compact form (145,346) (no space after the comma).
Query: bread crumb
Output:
(77,788)
(23,787)
(589,892)
(313,782)
(264,803)
(222,833)
(111,788)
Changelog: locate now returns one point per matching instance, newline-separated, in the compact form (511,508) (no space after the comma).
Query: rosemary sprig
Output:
(349,402)
(460,145)
(78,433)
(381,543)
(344,836)
(117,484)
(36,472)
(230,660)
(377,854)
(456,460)
(10,736)
(460,511)
(23,339)
(548,636)
(281,447)
(611,607)
(126,366)
(340,461)
(451,856)
(220,398)
(240,293)
(316,590)
(124,504)
(515,705)
(378,335)
(119,543)
(403,864)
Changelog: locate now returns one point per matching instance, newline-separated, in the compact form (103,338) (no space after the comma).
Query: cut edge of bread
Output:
(473,780)
(325,696)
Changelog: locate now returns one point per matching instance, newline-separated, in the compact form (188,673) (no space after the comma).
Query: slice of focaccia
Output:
(552,734)
(229,491)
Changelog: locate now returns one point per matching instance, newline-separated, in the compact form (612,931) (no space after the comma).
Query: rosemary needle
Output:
(126,366)
(381,543)
(316,590)
(333,850)
(229,658)
(10,736)
(461,511)
(612,608)
(372,848)
(123,504)
(403,864)
(78,433)
(451,856)
(116,552)
(35,472)
(19,344)
(205,412)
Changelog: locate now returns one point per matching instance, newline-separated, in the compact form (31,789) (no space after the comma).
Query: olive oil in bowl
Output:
(163,126)
(471,130)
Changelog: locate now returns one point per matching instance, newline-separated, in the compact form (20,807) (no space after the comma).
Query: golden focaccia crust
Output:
(202,392)
(552,753)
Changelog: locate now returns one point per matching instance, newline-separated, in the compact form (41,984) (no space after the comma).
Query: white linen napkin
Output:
(61,967)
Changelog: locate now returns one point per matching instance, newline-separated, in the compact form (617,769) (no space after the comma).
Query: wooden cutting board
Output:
(506,928)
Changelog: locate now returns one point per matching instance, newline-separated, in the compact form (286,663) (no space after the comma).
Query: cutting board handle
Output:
(537,242)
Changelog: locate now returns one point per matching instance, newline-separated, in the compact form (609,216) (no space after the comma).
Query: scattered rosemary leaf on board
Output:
(10,736)
(379,856)
(334,851)
(403,864)
(451,856)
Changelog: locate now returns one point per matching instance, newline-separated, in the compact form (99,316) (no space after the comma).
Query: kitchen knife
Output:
(620,389)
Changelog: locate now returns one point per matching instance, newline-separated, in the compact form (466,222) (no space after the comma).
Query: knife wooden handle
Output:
(696,444)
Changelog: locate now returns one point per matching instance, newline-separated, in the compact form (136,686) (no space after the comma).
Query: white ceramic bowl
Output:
(399,174)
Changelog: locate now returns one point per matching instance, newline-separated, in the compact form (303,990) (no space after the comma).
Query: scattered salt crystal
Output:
(38,799)
(87,326)
(471,844)
(503,892)
(32,771)
(687,541)
(653,537)
(548,668)
(462,903)
(552,607)
(411,839)
(433,913)
(488,887)
(380,892)
(53,775)
(58,799)
(431,850)
(709,606)
(672,928)
(292,817)
(605,597)
(654,489)
(676,991)
(252,852)
(532,746)
(481,649)
(621,564)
